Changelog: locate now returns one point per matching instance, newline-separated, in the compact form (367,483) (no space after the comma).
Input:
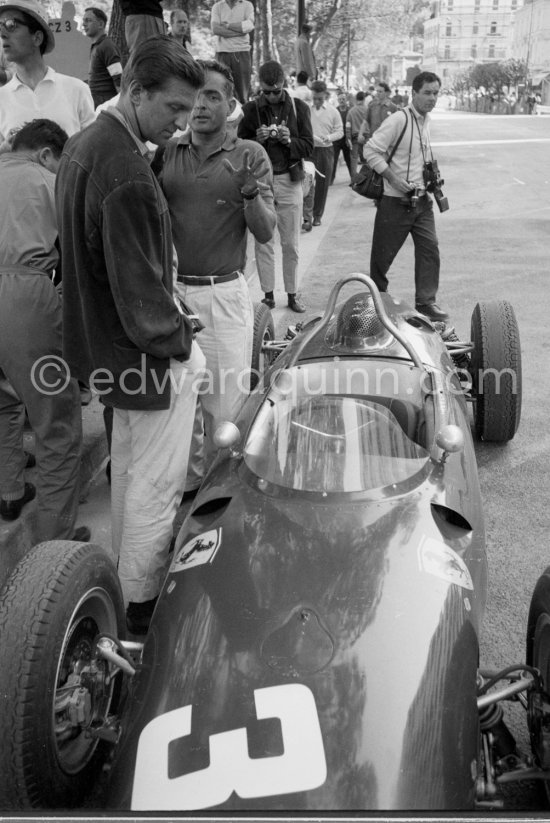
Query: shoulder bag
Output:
(368,182)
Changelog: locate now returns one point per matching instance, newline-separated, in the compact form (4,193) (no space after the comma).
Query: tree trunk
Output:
(116,30)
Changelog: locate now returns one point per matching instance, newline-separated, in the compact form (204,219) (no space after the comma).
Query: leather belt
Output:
(189,280)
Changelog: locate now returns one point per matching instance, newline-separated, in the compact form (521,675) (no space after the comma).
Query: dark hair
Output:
(34,26)
(301,77)
(158,60)
(271,73)
(99,14)
(384,86)
(425,77)
(306,28)
(225,71)
(41,134)
(318,86)
(360,96)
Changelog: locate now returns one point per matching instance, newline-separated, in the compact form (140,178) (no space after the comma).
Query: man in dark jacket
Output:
(123,328)
(283,126)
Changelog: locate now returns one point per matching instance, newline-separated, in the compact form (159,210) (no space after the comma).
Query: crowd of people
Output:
(127,204)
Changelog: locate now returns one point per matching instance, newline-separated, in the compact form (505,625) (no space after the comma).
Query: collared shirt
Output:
(302,93)
(377,112)
(413,150)
(326,124)
(58,97)
(206,204)
(28,225)
(104,55)
(146,149)
(355,118)
(223,14)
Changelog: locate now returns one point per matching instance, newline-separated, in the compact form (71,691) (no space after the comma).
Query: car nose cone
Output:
(301,646)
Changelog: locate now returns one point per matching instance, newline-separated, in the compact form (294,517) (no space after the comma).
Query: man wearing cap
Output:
(36,90)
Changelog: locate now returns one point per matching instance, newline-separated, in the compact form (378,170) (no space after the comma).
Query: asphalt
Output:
(17,537)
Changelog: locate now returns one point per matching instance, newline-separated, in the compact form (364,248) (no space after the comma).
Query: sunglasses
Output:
(272,92)
(10,24)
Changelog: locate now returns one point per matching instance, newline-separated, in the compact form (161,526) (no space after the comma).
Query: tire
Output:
(57,599)
(537,651)
(496,371)
(264,329)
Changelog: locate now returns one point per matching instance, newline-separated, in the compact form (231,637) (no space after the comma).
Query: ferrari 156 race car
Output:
(316,642)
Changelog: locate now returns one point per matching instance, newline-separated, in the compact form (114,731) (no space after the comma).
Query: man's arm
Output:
(379,146)
(259,211)
(112,62)
(336,128)
(232,29)
(85,106)
(301,144)
(137,263)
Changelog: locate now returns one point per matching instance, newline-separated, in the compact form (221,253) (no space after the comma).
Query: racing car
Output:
(316,642)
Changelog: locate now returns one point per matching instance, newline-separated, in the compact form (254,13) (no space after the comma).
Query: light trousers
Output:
(288,207)
(149,454)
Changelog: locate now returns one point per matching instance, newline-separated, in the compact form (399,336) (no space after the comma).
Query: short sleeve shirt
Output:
(223,13)
(103,53)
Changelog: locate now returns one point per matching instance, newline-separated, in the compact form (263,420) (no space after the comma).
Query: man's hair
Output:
(271,73)
(225,71)
(41,134)
(425,77)
(99,14)
(156,61)
(173,14)
(319,87)
(360,96)
(301,77)
(384,86)
(306,28)
(34,26)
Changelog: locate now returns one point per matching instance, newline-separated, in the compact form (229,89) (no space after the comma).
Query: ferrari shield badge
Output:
(198,551)
(440,560)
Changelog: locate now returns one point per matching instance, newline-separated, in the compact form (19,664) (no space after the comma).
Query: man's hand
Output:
(283,133)
(247,176)
(262,134)
(398,183)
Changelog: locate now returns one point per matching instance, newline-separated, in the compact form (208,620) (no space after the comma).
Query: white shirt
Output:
(242,12)
(302,93)
(58,97)
(327,125)
(407,165)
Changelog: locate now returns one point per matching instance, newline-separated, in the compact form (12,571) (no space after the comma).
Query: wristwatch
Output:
(251,194)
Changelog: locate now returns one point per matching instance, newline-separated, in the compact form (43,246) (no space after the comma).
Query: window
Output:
(477,5)
(450,5)
(495,5)
(491,51)
(447,53)
(473,51)
(493,29)
(514,5)
(475,28)
(449,29)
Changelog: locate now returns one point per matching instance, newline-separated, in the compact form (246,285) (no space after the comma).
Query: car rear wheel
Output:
(59,597)
(264,331)
(496,371)
(538,655)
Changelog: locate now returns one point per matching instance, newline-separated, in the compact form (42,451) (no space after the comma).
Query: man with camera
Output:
(406,206)
(283,127)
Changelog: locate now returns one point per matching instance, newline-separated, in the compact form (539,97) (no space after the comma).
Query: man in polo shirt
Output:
(231,22)
(35,90)
(327,130)
(121,320)
(105,65)
(218,188)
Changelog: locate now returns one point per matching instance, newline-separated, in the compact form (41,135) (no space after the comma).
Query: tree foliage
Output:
(492,77)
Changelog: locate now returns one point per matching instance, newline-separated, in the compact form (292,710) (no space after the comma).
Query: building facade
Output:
(461,33)
(531,42)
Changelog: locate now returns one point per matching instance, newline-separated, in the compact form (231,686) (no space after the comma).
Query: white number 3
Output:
(301,767)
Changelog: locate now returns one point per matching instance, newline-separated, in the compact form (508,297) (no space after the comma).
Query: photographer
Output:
(406,207)
(283,127)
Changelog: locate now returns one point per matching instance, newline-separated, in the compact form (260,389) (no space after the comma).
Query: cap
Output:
(35,11)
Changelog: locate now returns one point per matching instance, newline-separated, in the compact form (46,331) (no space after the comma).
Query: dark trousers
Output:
(393,223)
(324,163)
(341,146)
(241,67)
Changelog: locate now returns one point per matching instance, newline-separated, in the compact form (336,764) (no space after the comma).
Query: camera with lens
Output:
(273,131)
(412,197)
(434,182)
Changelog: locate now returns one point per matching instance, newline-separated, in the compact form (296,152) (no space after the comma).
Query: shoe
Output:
(295,304)
(306,226)
(138,616)
(82,535)
(30,460)
(269,302)
(316,221)
(11,509)
(432,311)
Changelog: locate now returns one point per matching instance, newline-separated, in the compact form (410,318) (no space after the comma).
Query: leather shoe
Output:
(295,304)
(82,535)
(269,302)
(306,226)
(316,221)
(138,616)
(11,509)
(432,311)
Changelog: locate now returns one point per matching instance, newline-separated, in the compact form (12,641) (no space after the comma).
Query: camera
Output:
(412,197)
(273,132)
(434,182)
